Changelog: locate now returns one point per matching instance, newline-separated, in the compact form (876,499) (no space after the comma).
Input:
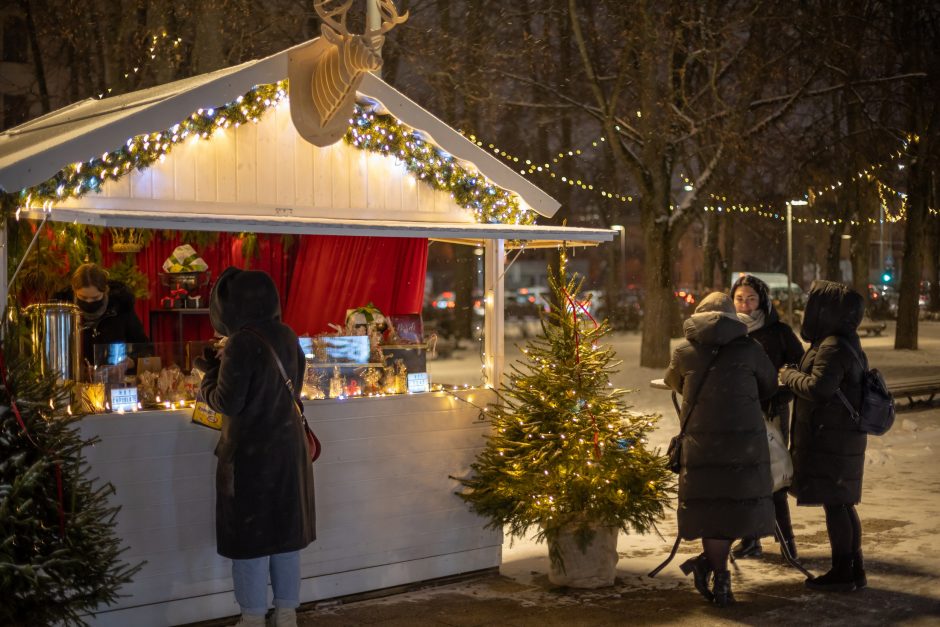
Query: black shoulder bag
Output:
(313,442)
(674,452)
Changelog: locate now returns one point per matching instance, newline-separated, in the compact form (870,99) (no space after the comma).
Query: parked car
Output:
(882,302)
(627,312)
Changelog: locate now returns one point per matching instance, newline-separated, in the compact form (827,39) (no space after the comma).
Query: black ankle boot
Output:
(838,579)
(747,547)
(701,573)
(722,589)
(789,545)
(858,570)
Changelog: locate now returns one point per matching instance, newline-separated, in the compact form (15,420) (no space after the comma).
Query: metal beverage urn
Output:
(55,333)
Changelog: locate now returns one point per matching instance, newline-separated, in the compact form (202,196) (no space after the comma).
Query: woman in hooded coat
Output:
(828,448)
(264,480)
(751,298)
(724,483)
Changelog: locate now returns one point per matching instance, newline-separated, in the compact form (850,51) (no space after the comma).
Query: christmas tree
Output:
(59,557)
(564,448)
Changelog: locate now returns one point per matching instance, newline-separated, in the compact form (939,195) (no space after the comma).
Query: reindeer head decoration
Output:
(335,63)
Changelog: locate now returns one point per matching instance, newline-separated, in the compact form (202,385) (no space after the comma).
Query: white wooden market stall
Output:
(386,511)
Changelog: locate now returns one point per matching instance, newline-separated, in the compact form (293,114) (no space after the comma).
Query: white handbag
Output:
(781,466)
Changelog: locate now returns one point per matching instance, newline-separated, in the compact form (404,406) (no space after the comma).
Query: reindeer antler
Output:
(327,17)
(390,17)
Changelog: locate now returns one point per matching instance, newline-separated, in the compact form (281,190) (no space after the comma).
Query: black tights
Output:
(716,552)
(845,529)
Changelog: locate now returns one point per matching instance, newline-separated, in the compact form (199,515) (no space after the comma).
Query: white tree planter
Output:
(595,567)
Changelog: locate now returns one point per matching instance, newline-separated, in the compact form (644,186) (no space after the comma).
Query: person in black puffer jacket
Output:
(265,510)
(107,307)
(724,482)
(751,298)
(828,448)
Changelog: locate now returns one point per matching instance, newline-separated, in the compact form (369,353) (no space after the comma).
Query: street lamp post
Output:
(790,205)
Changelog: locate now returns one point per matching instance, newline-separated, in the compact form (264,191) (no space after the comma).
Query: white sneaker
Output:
(250,620)
(284,617)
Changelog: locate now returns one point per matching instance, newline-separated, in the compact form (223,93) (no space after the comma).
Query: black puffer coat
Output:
(725,484)
(264,479)
(828,449)
(782,347)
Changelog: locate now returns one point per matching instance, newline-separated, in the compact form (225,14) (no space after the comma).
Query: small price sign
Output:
(124,399)
(418,382)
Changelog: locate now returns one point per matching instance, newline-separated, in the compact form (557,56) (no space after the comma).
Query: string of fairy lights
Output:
(368,130)
(719,203)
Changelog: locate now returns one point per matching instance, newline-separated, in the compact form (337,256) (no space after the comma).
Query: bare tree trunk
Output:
(711,255)
(933,251)
(918,195)
(659,307)
(727,264)
(833,254)
(36,53)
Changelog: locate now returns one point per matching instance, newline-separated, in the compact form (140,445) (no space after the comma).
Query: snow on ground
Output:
(900,514)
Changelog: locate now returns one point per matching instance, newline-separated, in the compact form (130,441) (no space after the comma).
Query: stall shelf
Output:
(386,510)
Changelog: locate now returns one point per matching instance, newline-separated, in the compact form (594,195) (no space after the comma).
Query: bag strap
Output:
(698,388)
(685,422)
(280,366)
(852,411)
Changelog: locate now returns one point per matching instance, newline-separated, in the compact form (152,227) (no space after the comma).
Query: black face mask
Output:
(91,306)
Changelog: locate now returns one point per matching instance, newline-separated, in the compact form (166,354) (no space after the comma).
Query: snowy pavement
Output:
(900,514)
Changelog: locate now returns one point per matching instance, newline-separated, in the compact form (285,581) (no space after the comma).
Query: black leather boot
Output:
(747,547)
(701,573)
(789,545)
(838,579)
(858,570)
(722,589)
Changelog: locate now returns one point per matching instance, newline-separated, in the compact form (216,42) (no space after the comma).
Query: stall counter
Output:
(386,510)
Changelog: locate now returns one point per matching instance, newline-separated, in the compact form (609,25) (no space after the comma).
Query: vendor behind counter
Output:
(107,308)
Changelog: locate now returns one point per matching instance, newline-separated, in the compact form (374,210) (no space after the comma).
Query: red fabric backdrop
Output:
(333,274)
(318,278)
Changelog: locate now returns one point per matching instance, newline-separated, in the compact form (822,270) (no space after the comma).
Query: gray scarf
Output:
(753,321)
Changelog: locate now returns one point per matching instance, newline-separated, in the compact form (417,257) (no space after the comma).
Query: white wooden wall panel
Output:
(224,147)
(246,159)
(322,177)
(386,512)
(184,171)
(264,168)
(377,174)
(206,163)
(359,182)
(164,185)
(141,183)
(267,160)
(341,159)
(120,188)
(286,192)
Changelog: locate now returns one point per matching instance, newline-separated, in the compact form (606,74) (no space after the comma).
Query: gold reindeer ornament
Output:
(323,76)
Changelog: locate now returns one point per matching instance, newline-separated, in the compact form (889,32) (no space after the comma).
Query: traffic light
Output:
(888,275)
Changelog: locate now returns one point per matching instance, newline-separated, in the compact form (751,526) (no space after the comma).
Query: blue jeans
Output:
(251,582)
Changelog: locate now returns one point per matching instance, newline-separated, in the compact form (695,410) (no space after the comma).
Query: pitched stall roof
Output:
(35,151)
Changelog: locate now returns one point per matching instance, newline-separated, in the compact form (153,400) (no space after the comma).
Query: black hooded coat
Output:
(828,449)
(264,479)
(725,483)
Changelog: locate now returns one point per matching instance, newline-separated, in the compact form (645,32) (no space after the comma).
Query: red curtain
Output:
(163,325)
(334,273)
(318,277)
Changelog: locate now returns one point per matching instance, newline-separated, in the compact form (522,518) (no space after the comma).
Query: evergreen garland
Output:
(59,555)
(564,448)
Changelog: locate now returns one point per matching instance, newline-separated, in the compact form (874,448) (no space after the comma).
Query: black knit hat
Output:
(763,292)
